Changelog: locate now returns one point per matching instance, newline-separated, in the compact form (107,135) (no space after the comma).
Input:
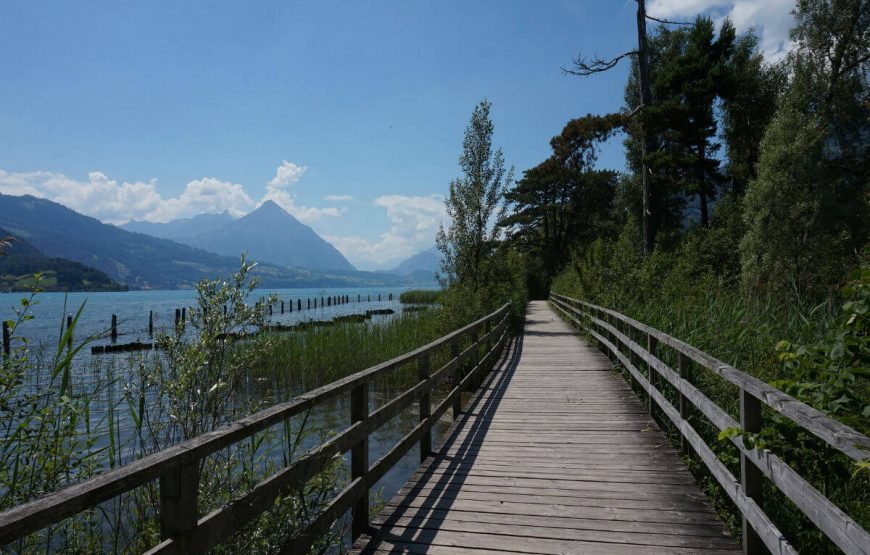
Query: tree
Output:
(687,85)
(584,68)
(750,91)
(474,205)
(562,204)
(807,212)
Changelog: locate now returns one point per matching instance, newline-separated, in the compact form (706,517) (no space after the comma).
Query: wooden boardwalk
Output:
(555,454)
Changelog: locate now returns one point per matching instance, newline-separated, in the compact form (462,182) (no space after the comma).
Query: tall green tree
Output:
(807,212)
(750,90)
(688,83)
(474,205)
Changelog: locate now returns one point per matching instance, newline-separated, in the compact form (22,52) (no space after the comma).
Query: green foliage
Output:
(833,374)
(420,296)
(808,210)
(474,205)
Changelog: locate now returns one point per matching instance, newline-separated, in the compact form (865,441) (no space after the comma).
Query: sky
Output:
(350,115)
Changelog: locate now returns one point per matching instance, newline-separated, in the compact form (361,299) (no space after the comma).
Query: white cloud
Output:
(114,202)
(337,198)
(414,222)
(287,173)
(772,19)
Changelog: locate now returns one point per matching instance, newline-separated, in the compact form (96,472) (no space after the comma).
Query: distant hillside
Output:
(22,261)
(142,261)
(178,230)
(424,262)
(272,235)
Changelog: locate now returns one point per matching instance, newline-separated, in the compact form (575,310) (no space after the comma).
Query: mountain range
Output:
(269,234)
(143,261)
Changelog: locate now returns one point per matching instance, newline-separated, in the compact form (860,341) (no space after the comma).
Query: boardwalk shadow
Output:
(421,509)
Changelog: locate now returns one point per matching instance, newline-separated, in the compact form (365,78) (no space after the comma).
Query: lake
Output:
(132,309)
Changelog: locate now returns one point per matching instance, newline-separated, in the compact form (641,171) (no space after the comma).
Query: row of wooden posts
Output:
(181,315)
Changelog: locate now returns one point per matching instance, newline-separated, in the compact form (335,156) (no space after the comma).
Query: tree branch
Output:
(668,22)
(584,67)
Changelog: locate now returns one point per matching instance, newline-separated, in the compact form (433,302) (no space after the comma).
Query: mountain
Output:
(23,260)
(145,262)
(272,235)
(424,261)
(178,230)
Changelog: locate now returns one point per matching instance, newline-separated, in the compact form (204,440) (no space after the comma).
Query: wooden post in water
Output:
(379,297)
(183,314)
(370,298)
(151,322)
(6,341)
(425,408)
(309,304)
(225,310)
(359,459)
(299,306)
(177,317)
(270,309)
(328,301)
(114,331)
(358,296)
(282,307)
(750,475)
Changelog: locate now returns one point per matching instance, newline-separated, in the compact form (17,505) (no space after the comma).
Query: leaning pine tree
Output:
(474,205)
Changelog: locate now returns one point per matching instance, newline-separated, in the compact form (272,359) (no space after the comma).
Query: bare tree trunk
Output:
(646,143)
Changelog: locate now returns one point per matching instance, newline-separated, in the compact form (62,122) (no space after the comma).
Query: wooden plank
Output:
(554,454)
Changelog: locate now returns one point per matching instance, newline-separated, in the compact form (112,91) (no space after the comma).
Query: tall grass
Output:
(420,296)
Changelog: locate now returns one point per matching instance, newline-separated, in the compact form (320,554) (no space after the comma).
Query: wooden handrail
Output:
(177,467)
(615,331)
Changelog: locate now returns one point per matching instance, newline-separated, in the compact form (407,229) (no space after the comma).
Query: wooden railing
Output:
(623,338)
(177,468)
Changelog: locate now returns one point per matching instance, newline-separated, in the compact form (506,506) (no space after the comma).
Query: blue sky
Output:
(349,114)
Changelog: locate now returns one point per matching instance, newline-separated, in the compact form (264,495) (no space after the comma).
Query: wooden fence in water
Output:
(177,468)
(635,346)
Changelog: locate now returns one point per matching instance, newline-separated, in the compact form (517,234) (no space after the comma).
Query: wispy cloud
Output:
(337,198)
(771,19)
(413,223)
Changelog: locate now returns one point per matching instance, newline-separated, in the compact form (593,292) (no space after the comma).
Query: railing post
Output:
(685,368)
(359,460)
(425,408)
(179,492)
(475,358)
(457,379)
(750,475)
(652,345)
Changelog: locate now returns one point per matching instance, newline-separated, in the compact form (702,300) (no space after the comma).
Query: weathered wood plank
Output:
(554,455)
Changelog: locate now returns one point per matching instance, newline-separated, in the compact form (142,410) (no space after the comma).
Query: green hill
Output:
(22,261)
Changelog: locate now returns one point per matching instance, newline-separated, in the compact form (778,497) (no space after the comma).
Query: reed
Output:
(420,296)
